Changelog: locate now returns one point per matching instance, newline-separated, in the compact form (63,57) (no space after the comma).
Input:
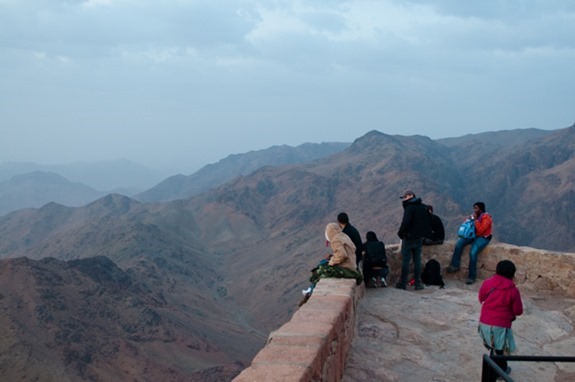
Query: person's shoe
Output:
(383,282)
(469,281)
(307,291)
(451,269)
(400,286)
(419,287)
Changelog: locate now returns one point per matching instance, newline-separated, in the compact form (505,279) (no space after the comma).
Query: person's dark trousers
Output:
(411,249)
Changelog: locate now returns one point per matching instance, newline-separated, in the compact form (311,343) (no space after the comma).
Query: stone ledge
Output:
(313,345)
(538,270)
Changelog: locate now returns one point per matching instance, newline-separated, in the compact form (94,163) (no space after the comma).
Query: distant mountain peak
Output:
(234,165)
(102,270)
(114,203)
(39,176)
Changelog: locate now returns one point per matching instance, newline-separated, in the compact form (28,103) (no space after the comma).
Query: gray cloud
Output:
(193,81)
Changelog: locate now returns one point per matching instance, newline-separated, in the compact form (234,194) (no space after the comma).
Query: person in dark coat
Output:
(375,267)
(437,230)
(415,225)
(353,234)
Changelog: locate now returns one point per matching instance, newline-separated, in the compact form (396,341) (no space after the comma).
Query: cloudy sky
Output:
(188,82)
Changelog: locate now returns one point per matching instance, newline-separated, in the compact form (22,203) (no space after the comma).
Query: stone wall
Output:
(537,269)
(314,344)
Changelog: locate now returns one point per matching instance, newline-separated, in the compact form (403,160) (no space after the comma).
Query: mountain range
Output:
(37,188)
(214,273)
(30,185)
(120,175)
(182,186)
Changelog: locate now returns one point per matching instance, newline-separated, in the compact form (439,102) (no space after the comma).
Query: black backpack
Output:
(431,274)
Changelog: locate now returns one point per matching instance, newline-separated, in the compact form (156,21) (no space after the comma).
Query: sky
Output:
(177,84)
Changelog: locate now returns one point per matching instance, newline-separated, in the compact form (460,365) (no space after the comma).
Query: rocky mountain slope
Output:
(215,174)
(89,320)
(175,281)
(528,189)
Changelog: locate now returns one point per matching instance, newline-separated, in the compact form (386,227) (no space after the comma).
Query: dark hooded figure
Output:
(353,233)
(437,230)
(375,267)
(415,225)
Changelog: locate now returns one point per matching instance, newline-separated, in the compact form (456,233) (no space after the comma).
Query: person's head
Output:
(430,208)
(407,195)
(479,208)
(371,236)
(343,219)
(505,268)
(331,230)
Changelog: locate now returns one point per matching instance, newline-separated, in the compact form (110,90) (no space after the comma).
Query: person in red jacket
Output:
(500,305)
(483,228)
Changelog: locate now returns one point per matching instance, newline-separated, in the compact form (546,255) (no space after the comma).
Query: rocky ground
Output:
(431,335)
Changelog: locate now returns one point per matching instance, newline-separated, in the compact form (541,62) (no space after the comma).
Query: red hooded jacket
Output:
(501,302)
(483,225)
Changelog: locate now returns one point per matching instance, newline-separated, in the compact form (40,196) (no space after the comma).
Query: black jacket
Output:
(437,229)
(354,235)
(416,222)
(375,253)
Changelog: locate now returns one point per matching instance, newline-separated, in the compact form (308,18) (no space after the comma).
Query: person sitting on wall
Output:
(483,228)
(340,264)
(375,267)
(353,233)
(437,230)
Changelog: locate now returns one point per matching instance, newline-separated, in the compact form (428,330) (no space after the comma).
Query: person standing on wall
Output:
(415,225)
(483,228)
(353,234)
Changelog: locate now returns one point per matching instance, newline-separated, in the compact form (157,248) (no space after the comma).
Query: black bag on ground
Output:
(431,274)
